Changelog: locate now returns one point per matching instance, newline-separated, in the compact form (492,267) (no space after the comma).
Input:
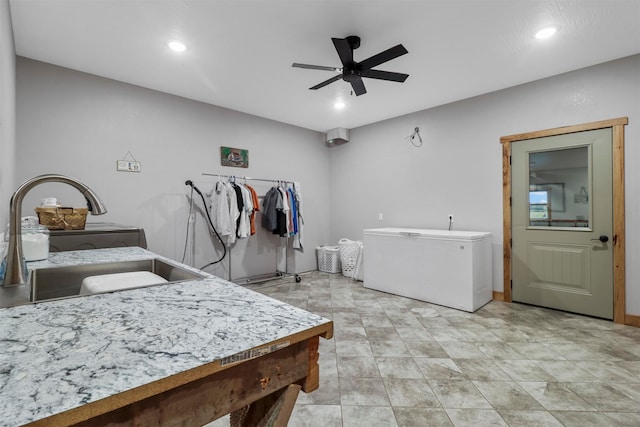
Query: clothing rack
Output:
(248,178)
(268,276)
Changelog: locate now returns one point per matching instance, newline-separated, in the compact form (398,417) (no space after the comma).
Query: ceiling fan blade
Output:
(326,82)
(382,57)
(358,87)
(314,67)
(344,51)
(385,75)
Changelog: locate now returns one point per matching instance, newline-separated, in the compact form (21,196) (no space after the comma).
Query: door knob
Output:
(603,238)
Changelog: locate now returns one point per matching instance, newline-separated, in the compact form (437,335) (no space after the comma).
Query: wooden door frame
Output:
(617,126)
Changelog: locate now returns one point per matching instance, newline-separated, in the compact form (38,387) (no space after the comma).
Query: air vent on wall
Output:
(337,136)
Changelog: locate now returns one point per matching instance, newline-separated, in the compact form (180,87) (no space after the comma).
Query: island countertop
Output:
(61,355)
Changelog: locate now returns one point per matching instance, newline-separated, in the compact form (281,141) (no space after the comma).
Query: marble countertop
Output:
(58,355)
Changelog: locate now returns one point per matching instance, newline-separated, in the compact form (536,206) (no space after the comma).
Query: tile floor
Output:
(395,361)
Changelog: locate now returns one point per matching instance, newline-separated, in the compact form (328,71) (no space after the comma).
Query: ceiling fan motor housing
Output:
(349,75)
(354,42)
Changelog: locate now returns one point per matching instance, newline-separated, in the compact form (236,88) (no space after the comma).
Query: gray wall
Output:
(7,110)
(458,170)
(79,125)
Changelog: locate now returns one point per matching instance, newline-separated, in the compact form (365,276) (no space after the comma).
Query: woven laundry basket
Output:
(63,218)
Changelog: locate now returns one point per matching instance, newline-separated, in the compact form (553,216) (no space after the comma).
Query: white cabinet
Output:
(450,268)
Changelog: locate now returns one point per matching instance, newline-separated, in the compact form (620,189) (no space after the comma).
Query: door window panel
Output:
(559,188)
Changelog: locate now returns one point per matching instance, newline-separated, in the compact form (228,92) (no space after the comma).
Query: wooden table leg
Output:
(272,410)
(312,381)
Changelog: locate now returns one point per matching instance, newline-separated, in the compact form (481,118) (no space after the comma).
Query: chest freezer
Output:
(449,268)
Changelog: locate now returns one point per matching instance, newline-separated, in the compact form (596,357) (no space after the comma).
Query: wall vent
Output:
(337,136)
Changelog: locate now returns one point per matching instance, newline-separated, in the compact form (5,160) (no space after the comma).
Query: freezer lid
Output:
(421,232)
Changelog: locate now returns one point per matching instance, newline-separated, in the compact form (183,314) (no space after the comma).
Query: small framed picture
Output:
(234,157)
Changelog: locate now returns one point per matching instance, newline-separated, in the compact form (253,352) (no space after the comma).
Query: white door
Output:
(562,222)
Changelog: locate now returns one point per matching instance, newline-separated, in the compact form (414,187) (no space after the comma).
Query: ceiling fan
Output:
(353,71)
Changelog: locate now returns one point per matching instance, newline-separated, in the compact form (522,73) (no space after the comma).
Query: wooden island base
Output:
(256,392)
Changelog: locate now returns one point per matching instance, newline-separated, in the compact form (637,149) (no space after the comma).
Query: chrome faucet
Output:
(15,267)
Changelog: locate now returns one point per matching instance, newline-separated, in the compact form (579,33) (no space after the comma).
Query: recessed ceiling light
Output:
(545,33)
(339,105)
(177,46)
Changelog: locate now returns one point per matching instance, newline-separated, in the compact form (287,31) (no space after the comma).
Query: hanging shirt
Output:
(297,239)
(245,213)
(282,209)
(219,209)
(270,209)
(294,211)
(234,213)
(256,207)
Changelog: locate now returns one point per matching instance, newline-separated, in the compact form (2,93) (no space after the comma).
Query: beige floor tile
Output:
(357,367)
(446,334)
(582,419)
(411,392)
(475,417)
(460,394)
(352,333)
(363,392)
(414,334)
(376,333)
(500,351)
(505,364)
(604,397)
(361,416)
(389,348)
(624,419)
(398,367)
(316,416)
(414,417)
(565,370)
(461,349)
(425,349)
(529,418)
(327,394)
(353,348)
(525,370)
(439,369)
(556,396)
(506,395)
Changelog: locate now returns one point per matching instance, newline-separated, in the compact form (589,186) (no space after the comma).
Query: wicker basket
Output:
(62,218)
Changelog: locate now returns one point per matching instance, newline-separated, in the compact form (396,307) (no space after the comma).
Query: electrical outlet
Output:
(380,217)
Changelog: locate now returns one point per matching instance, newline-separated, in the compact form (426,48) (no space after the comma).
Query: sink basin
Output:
(64,282)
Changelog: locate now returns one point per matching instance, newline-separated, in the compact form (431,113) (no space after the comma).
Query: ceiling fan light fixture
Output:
(545,33)
(177,46)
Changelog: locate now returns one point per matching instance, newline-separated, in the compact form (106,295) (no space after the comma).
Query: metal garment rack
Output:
(269,276)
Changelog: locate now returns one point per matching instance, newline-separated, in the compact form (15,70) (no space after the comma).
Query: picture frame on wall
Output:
(234,157)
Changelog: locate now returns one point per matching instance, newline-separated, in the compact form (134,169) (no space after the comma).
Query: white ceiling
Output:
(239,52)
